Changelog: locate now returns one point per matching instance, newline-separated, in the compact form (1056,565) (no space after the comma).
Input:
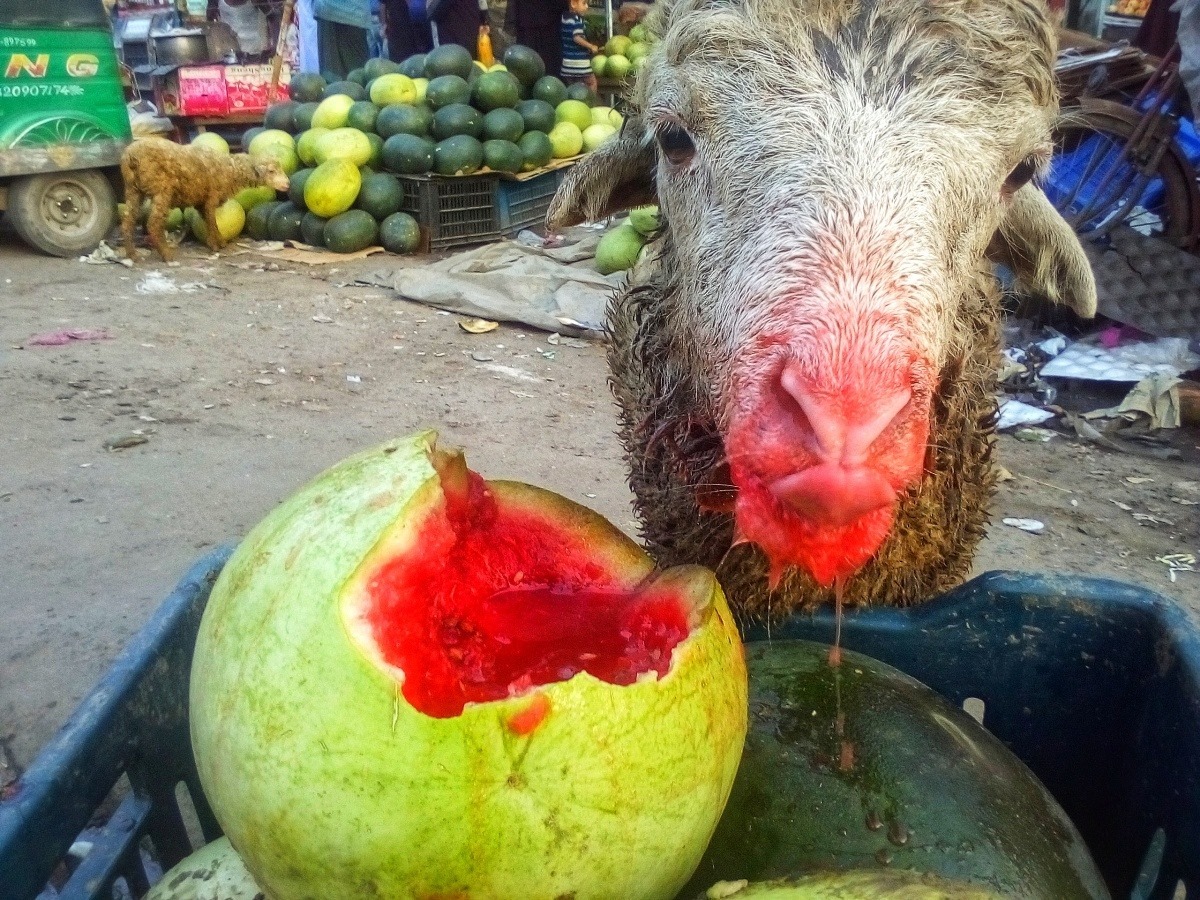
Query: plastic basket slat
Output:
(134,721)
(114,854)
(524,204)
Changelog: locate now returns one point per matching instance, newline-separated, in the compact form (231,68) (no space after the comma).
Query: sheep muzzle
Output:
(821,447)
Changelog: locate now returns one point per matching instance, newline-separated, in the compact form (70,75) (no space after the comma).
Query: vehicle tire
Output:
(63,213)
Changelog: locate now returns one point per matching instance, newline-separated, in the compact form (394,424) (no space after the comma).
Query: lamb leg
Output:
(213,235)
(133,205)
(156,227)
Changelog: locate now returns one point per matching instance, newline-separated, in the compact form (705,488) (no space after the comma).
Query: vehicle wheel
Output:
(63,213)
(1148,183)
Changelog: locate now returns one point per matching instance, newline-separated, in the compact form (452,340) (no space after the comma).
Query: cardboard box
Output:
(215,91)
(194,91)
(249,87)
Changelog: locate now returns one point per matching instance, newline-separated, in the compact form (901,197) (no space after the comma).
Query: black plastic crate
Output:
(1093,683)
(474,209)
(453,212)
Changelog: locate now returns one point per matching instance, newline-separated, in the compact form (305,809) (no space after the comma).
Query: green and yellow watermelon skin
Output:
(906,782)
(331,784)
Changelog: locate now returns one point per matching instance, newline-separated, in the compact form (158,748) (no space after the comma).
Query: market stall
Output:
(429,154)
(199,71)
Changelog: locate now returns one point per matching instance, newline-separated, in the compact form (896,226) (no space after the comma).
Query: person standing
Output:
(536,24)
(342,27)
(459,22)
(577,50)
(407,28)
(306,37)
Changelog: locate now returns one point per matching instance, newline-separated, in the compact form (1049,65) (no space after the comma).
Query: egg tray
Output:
(1147,283)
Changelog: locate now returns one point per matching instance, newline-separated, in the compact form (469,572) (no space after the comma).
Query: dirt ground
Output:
(228,396)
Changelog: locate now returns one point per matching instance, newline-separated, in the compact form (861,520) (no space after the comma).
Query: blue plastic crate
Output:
(524,204)
(1093,683)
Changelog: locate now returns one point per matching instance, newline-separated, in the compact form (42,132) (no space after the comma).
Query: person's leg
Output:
(401,34)
(327,49)
(341,48)
(306,25)
(352,47)
(376,39)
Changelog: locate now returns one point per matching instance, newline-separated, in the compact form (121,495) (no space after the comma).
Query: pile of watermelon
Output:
(624,54)
(442,112)
(338,205)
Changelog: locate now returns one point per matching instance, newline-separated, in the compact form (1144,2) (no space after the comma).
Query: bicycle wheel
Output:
(1106,171)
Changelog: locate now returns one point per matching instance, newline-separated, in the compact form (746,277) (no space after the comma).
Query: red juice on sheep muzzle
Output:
(820,462)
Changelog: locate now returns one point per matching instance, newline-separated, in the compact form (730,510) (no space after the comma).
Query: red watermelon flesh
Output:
(495,597)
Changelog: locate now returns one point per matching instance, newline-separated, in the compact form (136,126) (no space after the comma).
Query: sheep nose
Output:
(842,432)
(841,429)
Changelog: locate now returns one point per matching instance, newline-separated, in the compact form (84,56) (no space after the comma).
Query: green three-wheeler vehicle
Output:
(63,123)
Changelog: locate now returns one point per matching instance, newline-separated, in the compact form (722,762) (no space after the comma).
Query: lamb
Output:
(805,364)
(173,175)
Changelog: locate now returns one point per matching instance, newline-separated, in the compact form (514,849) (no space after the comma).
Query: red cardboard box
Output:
(202,91)
(216,91)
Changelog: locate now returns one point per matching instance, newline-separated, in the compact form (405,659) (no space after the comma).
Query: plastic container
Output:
(453,212)
(474,209)
(1094,684)
(524,204)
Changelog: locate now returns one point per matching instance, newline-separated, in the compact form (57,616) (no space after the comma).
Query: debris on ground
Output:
(1027,399)
(124,442)
(155,282)
(1156,398)
(1120,444)
(104,254)
(1014,413)
(1034,435)
(557,339)
(1033,526)
(1126,362)
(1035,358)
(477,326)
(66,336)
(1177,562)
(552,289)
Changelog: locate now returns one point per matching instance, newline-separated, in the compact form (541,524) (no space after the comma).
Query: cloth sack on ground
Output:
(513,282)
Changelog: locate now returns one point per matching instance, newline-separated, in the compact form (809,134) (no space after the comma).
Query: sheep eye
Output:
(676,144)
(1020,176)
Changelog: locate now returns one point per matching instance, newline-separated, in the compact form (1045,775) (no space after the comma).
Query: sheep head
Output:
(833,174)
(269,173)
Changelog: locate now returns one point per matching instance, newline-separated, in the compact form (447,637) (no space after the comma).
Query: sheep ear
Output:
(1044,253)
(617,176)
